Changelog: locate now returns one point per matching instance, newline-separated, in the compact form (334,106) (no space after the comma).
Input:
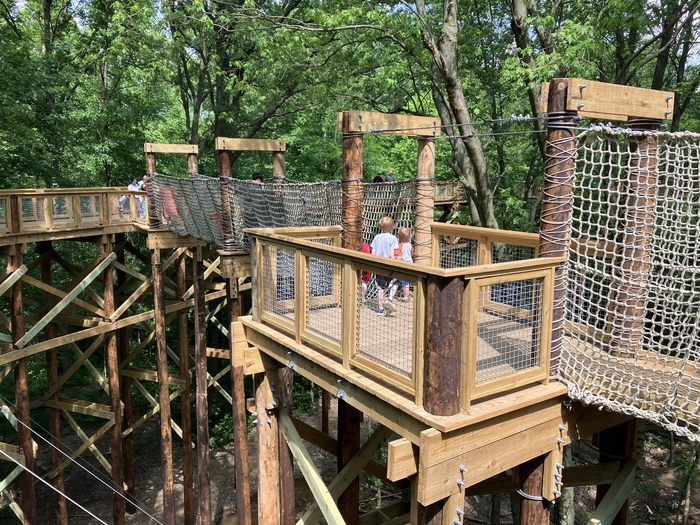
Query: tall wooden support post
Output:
(278,168)
(125,391)
(183,354)
(52,377)
(268,451)
(639,193)
(153,221)
(115,444)
(200,357)
(425,194)
(192,167)
(238,402)
(556,212)
(166,438)
(24,435)
(349,418)
(530,476)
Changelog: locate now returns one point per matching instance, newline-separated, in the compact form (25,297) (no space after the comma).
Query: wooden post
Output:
(630,283)
(352,186)
(183,354)
(238,402)
(555,217)
(200,356)
(125,391)
(192,166)
(614,443)
(115,407)
(285,380)
(52,377)
(166,438)
(443,346)
(425,193)
(268,455)
(24,435)
(153,216)
(349,418)
(533,511)
(278,168)
(325,411)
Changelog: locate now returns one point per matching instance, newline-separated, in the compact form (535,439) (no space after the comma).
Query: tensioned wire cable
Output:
(8,457)
(134,502)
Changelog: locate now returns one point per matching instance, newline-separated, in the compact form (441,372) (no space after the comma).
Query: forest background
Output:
(83,84)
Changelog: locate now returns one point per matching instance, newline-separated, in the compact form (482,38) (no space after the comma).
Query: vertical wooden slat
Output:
(200,352)
(278,167)
(114,400)
(349,313)
(24,436)
(556,203)
(166,438)
(268,454)
(52,377)
(425,194)
(183,354)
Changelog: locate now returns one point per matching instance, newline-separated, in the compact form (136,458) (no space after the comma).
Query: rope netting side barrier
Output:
(192,206)
(633,293)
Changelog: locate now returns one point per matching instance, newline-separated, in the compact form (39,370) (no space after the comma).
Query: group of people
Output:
(389,177)
(139,200)
(385,244)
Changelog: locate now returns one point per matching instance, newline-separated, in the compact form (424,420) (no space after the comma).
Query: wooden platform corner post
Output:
(200,356)
(633,259)
(425,194)
(285,381)
(555,217)
(350,418)
(166,438)
(443,345)
(112,362)
(268,452)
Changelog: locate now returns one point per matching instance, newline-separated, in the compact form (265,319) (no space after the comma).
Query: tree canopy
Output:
(86,82)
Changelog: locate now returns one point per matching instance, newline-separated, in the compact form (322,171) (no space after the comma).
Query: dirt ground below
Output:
(656,499)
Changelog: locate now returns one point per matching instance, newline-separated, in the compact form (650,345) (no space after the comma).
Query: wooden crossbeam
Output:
(130,300)
(77,275)
(148,415)
(220,353)
(321,493)
(235,144)
(140,276)
(10,478)
(348,473)
(88,443)
(155,403)
(85,438)
(150,375)
(78,406)
(171,148)
(74,367)
(65,301)
(36,283)
(618,492)
(214,266)
(391,124)
(93,371)
(11,453)
(12,279)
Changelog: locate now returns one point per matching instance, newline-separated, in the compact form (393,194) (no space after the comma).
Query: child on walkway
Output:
(403,253)
(384,245)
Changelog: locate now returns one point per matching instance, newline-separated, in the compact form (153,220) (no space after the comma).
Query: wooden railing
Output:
(49,210)
(311,289)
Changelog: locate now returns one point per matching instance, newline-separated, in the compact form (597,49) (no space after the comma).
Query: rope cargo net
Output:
(192,206)
(631,315)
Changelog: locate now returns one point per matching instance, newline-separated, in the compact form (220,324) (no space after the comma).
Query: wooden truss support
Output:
(268,450)
(616,497)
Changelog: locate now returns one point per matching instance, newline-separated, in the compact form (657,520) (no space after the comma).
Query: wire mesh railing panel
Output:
(508,328)
(457,252)
(4,224)
(385,322)
(278,281)
(324,298)
(501,252)
(62,210)
(32,212)
(89,208)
